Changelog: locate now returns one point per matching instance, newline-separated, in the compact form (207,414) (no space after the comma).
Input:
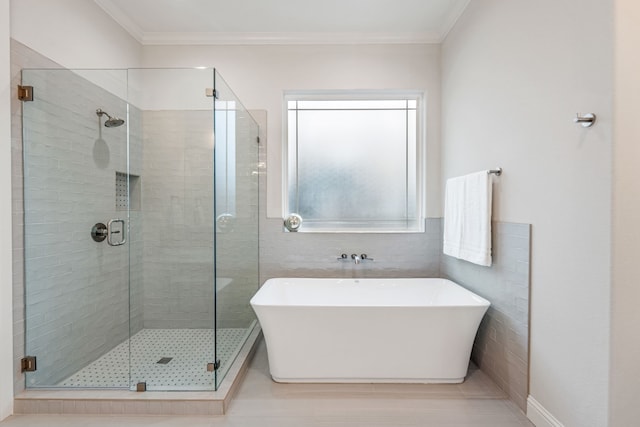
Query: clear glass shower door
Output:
(172,344)
(76,204)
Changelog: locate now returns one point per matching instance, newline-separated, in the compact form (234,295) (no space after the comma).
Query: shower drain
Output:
(164,360)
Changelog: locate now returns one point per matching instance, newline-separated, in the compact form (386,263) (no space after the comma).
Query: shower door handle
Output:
(111,232)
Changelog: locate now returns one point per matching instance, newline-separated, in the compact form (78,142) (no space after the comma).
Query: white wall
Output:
(625,316)
(77,34)
(260,74)
(73,33)
(6,299)
(515,73)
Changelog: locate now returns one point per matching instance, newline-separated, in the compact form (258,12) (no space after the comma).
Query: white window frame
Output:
(372,95)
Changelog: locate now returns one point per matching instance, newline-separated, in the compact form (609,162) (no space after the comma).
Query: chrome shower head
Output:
(111,122)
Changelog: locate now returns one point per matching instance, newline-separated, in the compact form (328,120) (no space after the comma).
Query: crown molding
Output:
(238,38)
(451,19)
(121,18)
(280,38)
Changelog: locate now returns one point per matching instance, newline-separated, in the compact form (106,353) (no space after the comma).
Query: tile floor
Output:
(261,402)
(189,349)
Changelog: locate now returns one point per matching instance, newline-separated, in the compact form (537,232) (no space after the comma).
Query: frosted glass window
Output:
(353,164)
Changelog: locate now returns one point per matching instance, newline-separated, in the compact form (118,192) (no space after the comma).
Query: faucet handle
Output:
(365,257)
(343,257)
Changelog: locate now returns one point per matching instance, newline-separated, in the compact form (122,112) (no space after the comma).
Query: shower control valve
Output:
(99,232)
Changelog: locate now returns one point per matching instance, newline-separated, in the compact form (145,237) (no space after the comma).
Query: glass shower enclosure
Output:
(141,228)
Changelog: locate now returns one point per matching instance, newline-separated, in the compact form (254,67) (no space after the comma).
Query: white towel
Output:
(467,218)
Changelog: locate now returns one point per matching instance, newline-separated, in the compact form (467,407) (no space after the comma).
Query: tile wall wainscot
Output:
(501,348)
(315,254)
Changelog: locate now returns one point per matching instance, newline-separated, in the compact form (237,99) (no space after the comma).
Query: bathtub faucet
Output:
(355,257)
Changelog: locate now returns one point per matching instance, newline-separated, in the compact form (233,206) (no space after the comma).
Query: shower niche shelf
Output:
(123,202)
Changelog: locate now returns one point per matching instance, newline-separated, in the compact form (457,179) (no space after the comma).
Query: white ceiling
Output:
(285,21)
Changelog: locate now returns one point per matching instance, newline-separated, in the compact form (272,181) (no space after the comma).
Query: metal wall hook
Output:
(586,120)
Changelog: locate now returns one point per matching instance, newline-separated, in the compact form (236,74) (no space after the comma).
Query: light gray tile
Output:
(506,285)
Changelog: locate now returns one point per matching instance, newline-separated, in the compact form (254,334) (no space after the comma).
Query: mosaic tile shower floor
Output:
(189,349)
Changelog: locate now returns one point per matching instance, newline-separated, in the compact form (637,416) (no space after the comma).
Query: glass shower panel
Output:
(236,219)
(172,344)
(76,227)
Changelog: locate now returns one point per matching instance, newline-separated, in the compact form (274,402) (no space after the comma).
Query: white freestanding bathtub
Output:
(368,330)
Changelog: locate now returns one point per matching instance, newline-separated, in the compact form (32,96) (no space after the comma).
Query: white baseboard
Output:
(539,416)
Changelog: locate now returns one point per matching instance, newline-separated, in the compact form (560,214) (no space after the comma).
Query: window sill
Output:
(371,227)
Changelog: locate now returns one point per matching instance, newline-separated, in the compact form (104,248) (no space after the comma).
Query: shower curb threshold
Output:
(125,402)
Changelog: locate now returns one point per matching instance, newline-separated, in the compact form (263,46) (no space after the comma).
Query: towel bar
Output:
(496,172)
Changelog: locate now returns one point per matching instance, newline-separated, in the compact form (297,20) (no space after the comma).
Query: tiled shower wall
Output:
(21,57)
(501,348)
(78,295)
(137,223)
(237,254)
(177,188)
